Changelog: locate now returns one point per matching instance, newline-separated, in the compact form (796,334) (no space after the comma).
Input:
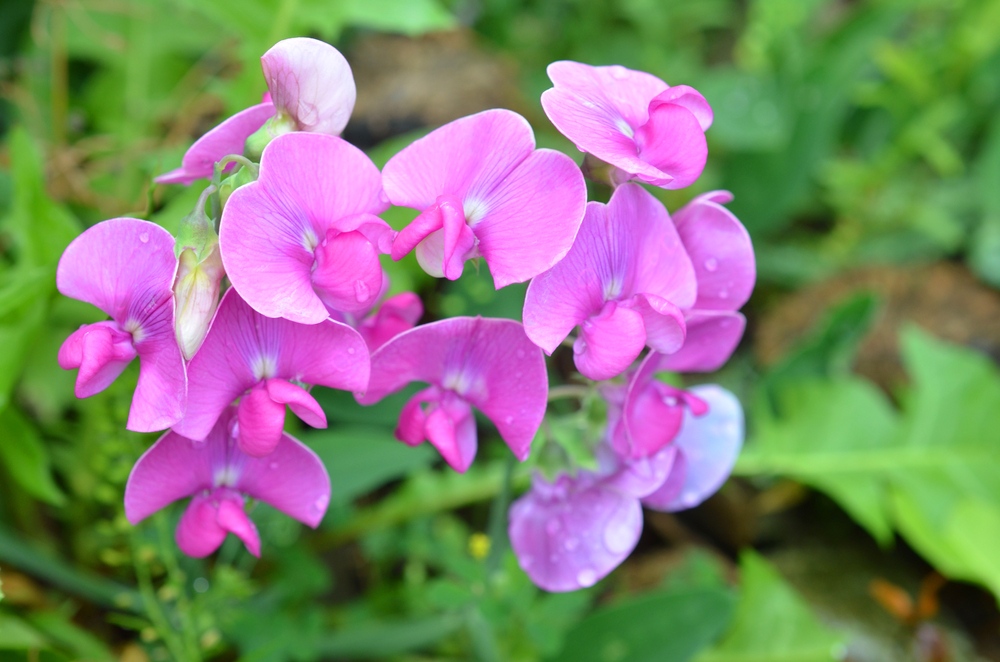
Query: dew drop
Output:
(554,558)
(618,535)
(520,353)
(508,420)
(321,502)
(350,350)
(670,401)
(273,465)
(711,264)
(723,294)
(619,72)
(571,544)
(361,291)
(144,237)
(586,577)
(589,104)
(552,528)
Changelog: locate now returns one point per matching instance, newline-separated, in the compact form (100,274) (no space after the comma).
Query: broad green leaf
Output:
(667,625)
(24,298)
(772,623)
(360,459)
(26,459)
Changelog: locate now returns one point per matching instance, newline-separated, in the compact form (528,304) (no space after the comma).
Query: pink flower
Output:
(218,476)
(304,237)
(631,120)
(126,268)
(265,362)
(626,282)
(484,190)
(311,88)
(468,361)
(397,314)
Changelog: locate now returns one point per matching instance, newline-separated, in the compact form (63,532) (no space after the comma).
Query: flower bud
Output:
(196,296)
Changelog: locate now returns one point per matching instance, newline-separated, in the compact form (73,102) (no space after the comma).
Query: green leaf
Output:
(666,625)
(70,637)
(378,640)
(772,623)
(15,634)
(360,459)
(24,297)
(26,459)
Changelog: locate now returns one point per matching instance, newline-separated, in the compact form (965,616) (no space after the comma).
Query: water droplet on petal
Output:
(322,502)
(273,465)
(508,420)
(520,353)
(619,72)
(711,264)
(723,294)
(670,401)
(618,535)
(144,237)
(350,350)
(571,544)
(552,528)
(589,104)
(586,577)
(361,291)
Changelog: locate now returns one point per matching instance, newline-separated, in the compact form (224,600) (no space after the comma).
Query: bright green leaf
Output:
(26,459)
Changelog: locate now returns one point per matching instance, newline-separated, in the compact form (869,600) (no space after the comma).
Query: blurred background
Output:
(861,139)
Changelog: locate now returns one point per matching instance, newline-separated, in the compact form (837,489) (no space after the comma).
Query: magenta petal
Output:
(609,342)
(689,98)
(451,429)
(310,82)
(672,141)
(348,274)
(173,468)
(428,221)
(396,314)
(663,321)
(261,422)
(309,183)
(613,91)
(198,531)
(720,250)
(292,479)
(101,351)
(570,534)
(490,363)
(465,158)
(233,519)
(411,429)
(529,221)
(298,400)
(709,444)
(161,392)
(711,339)
(227,138)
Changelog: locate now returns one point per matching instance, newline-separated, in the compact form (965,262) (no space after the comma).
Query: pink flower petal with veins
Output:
(488,363)
(311,188)
(310,82)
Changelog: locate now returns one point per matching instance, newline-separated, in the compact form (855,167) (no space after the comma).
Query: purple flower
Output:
(304,237)
(126,268)
(572,532)
(310,89)
(631,120)
(484,190)
(217,475)
(467,361)
(626,282)
(265,362)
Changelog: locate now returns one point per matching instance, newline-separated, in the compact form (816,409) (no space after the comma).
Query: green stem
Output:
(570,391)
(153,608)
(498,520)
(176,576)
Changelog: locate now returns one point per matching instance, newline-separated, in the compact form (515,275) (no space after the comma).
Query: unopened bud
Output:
(196,296)
(274,127)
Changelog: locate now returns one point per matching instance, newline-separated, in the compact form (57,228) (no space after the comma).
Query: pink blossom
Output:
(311,88)
(631,120)
(126,267)
(265,362)
(486,363)
(304,239)
(484,190)
(218,476)
(397,314)
(625,282)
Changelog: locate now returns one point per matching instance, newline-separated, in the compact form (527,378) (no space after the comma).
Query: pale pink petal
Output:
(529,221)
(712,337)
(173,468)
(101,351)
(674,143)
(490,363)
(292,479)
(666,494)
(720,250)
(710,445)
(308,184)
(465,158)
(689,98)
(198,531)
(124,266)
(227,138)
(609,342)
(347,275)
(612,89)
(261,422)
(570,534)
(298,400)
(398,313)
(311,82)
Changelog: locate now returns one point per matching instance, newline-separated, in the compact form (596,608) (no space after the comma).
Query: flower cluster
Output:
(299,237)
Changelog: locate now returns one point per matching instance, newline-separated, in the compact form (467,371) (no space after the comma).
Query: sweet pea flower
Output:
(484,190)
(126,267)
(632,120)
(397,314)
(467,361)
(571,532)
(303,239)
(218,476)
(311,88)
(264,362)
(626,282)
